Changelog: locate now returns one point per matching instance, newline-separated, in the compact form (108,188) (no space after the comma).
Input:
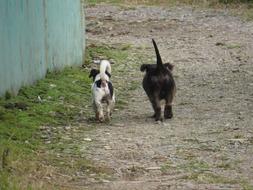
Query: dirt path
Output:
(209,142)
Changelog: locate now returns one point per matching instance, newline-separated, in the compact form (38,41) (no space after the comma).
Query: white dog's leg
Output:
(99,111)
(98,107)
(108,111)
(95,109)
(110,106)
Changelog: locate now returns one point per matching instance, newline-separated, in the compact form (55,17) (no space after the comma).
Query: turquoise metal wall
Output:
(36,36)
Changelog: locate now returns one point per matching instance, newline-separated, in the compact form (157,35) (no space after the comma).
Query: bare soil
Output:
(209,142)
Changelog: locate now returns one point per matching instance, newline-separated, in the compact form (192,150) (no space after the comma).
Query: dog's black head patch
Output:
(99,82)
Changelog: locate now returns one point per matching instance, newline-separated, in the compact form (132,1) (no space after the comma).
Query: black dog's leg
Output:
(168,106)
(157,108)
(168,112)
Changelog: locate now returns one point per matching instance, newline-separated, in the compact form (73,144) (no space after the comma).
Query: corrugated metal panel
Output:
(36,35)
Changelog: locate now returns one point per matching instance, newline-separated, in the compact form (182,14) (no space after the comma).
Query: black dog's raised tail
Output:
(158,57)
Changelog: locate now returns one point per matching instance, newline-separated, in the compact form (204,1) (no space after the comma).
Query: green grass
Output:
(116,53)
(247,14)
(212,178)
(202,173)
(61,99)
(241,8)
(55,100)
(233,46)
(192,165)
(174,2)
(142,2)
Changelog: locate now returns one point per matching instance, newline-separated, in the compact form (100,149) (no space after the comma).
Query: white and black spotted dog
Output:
(102,90)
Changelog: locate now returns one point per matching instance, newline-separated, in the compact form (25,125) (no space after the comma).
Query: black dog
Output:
(159,84)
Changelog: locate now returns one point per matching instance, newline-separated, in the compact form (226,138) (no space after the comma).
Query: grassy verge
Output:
(175,2)
(242,8)
(59,99)
(26,120)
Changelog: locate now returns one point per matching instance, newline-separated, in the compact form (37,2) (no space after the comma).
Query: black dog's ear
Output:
(144,67)
(93,73)
(169,66)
